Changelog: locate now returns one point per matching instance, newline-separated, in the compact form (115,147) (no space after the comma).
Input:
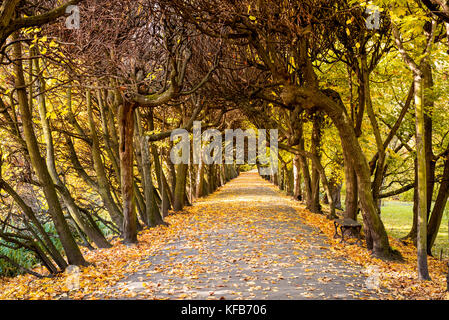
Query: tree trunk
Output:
(102,184)
(140,201)
(335,191)
(108,133)
(180,187)
(375,232)
(200,192)
(53,251)
(438,209)
(282,178)
(315,206)
(351,200)
(330,102)
(212,178)
(413,233)
(71,249)
(152,211)
(164,188)
(126,128)
(305,169)
(289,181)
(297,192)
(171,172)
(423,273)
(428,101)
(91,232)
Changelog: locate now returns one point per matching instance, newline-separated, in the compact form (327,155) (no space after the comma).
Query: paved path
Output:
(247,242)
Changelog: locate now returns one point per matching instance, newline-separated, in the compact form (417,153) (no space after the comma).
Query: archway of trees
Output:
(358,97)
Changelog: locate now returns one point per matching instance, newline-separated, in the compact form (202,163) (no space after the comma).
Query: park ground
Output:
(397,217)
(245,241)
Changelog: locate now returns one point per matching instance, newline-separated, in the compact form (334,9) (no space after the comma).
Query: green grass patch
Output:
(397,217)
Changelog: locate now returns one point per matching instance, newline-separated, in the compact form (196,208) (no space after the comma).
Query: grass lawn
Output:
(397,217)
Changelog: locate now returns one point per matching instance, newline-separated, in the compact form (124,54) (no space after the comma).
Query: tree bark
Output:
(305,169)
(162,183)
(423,272)
(351,200)
(315,150)
(200,191)
(297,191)
(126,128)
(152,211)
(438,208)
(180,187)
(102,184)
